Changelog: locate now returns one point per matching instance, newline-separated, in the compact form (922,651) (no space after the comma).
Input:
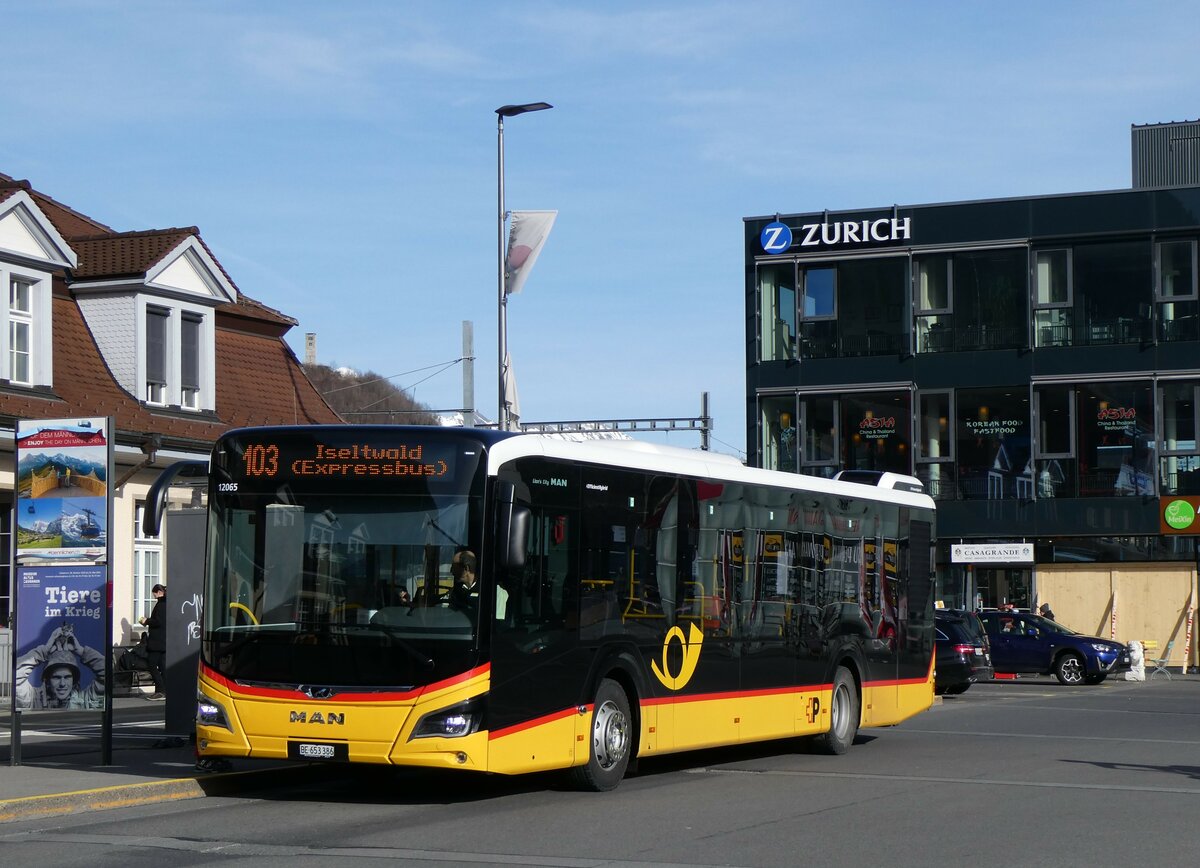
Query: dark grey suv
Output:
(963,654)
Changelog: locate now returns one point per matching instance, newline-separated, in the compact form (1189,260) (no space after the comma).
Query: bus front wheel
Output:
(843,715)
(611,740)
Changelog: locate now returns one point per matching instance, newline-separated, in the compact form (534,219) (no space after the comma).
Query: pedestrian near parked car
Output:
(1046,612)
(156,641)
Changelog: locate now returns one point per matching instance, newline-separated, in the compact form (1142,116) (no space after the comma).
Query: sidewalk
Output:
(60,771)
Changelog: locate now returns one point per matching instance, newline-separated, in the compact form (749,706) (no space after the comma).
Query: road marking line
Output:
(1054,785)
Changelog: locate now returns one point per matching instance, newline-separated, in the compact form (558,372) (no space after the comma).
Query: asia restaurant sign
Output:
(874,427)
(1116,418)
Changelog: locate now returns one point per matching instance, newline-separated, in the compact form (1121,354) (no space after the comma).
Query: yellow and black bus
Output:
(501,602)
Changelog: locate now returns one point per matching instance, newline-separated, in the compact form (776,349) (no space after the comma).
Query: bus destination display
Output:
(273,461)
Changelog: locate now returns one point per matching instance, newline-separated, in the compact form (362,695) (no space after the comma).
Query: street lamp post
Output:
(505,111)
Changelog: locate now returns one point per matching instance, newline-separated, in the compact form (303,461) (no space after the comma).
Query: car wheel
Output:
(611,742)
(844,715)
(1069,669)
(1095,679)
(959,688)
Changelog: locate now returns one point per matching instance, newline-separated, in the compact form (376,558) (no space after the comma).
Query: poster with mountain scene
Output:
(62,490)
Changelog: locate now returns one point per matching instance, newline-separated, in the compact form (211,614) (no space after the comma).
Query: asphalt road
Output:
(1013,774)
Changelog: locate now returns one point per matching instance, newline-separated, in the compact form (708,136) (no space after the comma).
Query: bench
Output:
(1157,663)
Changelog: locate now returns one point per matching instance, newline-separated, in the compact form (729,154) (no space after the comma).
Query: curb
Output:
(151,792)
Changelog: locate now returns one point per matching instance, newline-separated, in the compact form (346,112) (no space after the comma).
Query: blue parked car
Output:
(1023,642)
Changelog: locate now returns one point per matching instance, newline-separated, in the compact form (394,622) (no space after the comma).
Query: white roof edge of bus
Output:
(691,462)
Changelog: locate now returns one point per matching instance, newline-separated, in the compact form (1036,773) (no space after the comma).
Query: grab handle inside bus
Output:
(512,528)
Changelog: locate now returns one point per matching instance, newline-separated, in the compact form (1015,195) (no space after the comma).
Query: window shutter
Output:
(190,352)
(156,346)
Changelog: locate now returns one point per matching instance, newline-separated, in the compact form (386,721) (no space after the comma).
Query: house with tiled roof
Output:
(147,328)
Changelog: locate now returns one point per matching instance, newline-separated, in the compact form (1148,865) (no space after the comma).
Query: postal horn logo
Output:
(691,657)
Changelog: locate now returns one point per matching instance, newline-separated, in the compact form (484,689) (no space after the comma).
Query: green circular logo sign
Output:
(1179,514)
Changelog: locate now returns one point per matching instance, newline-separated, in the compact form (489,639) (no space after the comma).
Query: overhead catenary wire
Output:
(441,366)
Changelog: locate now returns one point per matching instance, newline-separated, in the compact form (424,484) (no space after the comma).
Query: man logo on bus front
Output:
(691,657)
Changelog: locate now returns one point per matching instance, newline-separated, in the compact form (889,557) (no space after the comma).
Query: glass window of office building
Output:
(777,310)
(1112,291)
(1115,439)
(871,297)
(1179,466)
(993,445)
(1175,290)
(934,446)
(875,430)
(820,421)
(781,442)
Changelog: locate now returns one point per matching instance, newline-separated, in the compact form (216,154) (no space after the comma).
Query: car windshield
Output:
(1051,626)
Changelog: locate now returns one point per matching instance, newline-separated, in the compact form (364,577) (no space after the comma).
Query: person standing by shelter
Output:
(156,641)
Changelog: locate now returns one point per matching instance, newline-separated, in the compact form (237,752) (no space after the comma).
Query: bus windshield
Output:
(333,555)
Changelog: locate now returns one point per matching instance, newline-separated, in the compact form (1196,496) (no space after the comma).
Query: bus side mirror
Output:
(512,528)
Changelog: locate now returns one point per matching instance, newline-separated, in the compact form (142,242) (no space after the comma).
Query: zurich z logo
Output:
(775,238)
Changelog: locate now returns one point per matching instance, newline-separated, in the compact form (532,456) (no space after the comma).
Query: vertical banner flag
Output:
(526,235)
(510,389)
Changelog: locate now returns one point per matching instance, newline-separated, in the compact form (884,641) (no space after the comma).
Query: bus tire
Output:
(611,743)
(843,715)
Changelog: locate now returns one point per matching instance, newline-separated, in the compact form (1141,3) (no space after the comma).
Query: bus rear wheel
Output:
(843,715)
(611,742)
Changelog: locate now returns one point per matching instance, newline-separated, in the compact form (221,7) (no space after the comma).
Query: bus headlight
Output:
(453,722)
(209,712)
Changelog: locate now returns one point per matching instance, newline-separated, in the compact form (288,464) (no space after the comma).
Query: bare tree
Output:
(367,398)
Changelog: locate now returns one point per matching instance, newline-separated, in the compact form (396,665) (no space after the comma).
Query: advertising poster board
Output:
(62,490)
(62,616)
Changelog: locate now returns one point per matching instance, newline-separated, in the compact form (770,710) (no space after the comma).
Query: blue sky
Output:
(340,158)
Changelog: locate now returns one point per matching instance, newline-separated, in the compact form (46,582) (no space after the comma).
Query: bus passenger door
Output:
(770,705)
(879,600)
(535,670)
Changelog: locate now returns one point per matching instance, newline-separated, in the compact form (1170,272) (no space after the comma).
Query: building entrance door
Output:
(996,587)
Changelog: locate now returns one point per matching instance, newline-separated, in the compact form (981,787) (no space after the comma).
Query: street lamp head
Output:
(508,111)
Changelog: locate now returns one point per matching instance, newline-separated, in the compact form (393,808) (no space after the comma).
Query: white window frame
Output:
(38,321)
(20,319)
(1040,452)
(918,273)
(802,297)
(1159,295)
(919,441)
(1038,304)
(173,394)
(147,564)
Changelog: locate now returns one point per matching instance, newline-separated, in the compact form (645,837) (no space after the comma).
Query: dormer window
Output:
(156,327)
(174,360)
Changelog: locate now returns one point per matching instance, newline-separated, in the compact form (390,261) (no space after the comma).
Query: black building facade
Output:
(1034,361)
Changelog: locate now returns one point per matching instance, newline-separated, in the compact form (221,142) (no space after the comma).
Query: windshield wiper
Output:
(432,522)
